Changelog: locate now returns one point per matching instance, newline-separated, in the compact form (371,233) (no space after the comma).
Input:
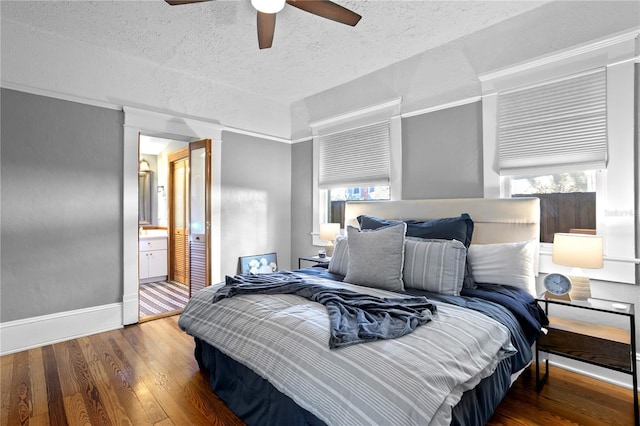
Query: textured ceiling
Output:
(217,40)
(202,60)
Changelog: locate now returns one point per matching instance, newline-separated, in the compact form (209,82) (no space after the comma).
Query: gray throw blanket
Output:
(353,317)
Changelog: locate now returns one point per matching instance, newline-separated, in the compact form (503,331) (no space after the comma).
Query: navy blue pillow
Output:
(372,222)
(449,228)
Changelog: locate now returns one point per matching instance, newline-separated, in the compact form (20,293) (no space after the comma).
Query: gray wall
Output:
(61,218)
(301,201)
(441,158)
(442,154)
(61,194)
(256,199)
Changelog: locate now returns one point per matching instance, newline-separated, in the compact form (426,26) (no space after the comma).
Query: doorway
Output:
(183,220)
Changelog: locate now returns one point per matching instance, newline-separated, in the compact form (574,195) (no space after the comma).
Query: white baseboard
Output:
(600,373)
(20,335)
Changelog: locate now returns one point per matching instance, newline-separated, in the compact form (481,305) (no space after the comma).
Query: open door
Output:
(190,215)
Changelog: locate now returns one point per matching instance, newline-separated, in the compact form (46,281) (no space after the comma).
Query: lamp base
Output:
(549,295)
(580,287)
(328,249)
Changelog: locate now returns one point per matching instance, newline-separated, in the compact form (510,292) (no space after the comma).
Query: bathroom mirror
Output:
(144,198)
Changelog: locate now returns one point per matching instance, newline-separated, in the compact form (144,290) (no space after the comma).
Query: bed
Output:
(268,357)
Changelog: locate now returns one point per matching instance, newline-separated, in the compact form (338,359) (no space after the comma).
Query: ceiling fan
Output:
(267,10)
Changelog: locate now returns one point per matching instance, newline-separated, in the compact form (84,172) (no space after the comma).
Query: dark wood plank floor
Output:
(146,375)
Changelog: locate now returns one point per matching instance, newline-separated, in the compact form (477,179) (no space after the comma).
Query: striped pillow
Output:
(434,265)
(340,260)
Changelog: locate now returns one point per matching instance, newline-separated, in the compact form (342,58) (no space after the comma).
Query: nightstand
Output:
(597,344)
(314,259)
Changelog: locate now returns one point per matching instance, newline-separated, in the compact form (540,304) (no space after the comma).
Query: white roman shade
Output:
(355,157)
(554,126)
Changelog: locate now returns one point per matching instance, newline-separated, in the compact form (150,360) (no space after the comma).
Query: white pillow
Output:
(505,263)
(339,263)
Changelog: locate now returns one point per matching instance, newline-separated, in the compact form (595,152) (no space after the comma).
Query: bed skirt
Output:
(255,401)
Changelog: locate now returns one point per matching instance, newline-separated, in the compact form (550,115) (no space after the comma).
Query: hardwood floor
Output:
(146,375)
(139,375)
(566,399)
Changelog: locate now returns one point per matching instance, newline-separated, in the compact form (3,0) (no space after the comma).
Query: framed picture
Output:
(258,264)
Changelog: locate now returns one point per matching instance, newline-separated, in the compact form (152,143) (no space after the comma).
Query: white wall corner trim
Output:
(304,139)
(20,335)
(386,110)
(257,135)
(441,107)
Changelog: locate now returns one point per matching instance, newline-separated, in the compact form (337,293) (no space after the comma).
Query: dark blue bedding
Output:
(512,307)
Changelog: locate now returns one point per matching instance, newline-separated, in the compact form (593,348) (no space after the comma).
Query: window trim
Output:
(390,111)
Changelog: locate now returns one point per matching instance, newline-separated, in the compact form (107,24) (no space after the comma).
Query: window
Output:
(569,112)
(337,197)
(567,200)
(356,156)
(548,132)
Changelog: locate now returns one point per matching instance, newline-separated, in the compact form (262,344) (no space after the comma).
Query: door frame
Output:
(182,154)
(167,126)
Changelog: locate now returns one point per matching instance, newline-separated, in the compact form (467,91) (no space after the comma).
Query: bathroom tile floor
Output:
(162,298)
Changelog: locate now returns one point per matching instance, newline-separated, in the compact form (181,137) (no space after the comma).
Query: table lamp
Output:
(578,251)
(328,232)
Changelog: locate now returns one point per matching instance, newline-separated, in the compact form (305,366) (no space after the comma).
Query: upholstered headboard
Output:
(499,220)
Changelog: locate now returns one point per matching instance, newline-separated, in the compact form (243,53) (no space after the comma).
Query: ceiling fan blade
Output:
(327,9)
(266,28)
(179,2)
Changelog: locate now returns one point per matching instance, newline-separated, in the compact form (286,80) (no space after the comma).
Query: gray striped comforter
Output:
(412,380)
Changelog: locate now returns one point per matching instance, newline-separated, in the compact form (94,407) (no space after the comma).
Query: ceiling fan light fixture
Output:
(268,6)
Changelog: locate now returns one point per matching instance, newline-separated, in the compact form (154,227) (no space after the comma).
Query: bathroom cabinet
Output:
(152,258)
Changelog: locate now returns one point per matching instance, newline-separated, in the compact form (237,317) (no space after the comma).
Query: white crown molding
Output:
(20,335)
(562,55)
(170,124)
(389,109)
(441,107)
(86,101)
(57,95)
(304,139)
(257,135)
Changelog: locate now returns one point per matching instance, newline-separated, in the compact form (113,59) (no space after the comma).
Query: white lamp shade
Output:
(578,250)
(328,231)
(143,166)
(268,6)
